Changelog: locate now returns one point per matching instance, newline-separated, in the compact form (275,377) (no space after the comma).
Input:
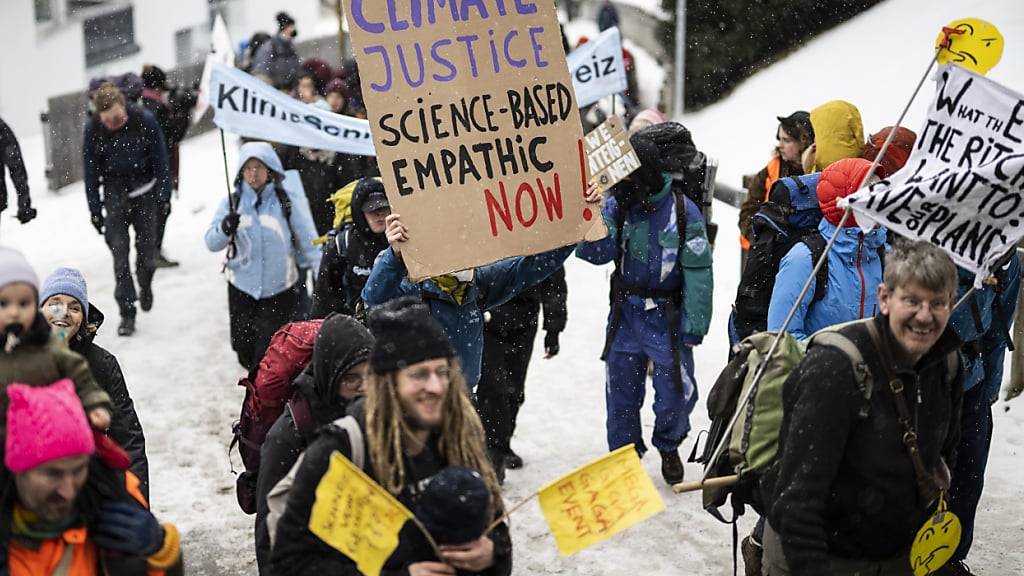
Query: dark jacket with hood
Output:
(341,344)
(323,173)
(10,158)
(844,485)
(299,552)
(520,313)
(125,428)
(340,282)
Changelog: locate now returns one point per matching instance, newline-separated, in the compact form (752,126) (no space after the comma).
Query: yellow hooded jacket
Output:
(838,133)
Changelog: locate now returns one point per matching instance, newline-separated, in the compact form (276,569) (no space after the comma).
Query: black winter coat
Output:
(10,157)
(347,261)
(340,345)
(323,172)
(845,486)
(520,313)
(300,552)
(125,428)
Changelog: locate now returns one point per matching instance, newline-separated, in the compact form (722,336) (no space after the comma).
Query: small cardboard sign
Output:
(609,153)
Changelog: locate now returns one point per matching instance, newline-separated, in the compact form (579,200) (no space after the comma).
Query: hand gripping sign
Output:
(477,131)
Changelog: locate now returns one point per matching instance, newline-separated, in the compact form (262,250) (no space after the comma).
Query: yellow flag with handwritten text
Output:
(356,516)
(599,500)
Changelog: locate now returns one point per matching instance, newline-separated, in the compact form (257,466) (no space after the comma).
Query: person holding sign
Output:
(459,300)
(416,421)
(857,475)
(661,305)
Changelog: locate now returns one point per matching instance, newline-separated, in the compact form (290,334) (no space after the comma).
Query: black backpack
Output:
(693,172)
(790,216)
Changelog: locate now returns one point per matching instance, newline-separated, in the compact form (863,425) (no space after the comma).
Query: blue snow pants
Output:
(643,336)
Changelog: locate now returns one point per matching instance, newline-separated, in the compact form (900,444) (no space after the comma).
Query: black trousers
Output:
(139,213)
(502,388)
(253,322)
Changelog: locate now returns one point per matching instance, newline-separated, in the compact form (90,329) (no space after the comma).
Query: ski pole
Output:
(817,266)
(232,248)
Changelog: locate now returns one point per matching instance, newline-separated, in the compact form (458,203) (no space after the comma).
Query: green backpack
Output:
(753,442)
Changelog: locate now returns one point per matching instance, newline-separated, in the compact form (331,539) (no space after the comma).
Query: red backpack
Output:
(266,394)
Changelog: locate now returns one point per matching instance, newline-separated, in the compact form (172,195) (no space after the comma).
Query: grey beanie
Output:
(15,268)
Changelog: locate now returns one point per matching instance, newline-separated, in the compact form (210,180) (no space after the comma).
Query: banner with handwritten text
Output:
(599,500)
(963,187)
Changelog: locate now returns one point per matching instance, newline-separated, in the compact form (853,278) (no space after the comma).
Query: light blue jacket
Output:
(267,259)
(854,273)
(493,285)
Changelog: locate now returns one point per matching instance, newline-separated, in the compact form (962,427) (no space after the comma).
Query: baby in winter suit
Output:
(31,353)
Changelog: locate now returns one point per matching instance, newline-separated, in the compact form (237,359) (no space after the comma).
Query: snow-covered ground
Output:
(181,371)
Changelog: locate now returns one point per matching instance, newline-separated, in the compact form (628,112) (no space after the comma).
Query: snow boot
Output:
(671,467)
(127,327)
(513,461)
(752,553)
(497,458)
(165,262)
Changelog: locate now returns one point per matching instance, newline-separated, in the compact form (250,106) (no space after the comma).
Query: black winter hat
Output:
(284,21)
(154,78)
(406,334)
(453,506)
(798,123)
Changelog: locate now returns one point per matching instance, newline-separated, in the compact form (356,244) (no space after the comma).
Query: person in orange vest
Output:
(72,511)
(794,134)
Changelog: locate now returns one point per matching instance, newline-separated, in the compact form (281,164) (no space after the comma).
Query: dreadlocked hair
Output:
(461,435)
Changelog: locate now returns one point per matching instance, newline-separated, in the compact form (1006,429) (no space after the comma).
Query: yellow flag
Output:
(599,500)
(356,516)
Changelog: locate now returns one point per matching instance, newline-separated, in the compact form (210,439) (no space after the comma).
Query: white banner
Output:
(221,51)
(963,187)
(246,106)
(597,68)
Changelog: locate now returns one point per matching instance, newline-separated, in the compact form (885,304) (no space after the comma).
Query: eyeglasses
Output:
(422,375)
(352,381)
(939,306)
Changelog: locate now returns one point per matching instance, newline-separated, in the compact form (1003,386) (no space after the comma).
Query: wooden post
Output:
(695,485)
(341,32)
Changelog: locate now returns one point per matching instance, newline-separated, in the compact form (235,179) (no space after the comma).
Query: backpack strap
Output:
(861,372)
(816,244)
(302,416)
(286,208)
(355,439)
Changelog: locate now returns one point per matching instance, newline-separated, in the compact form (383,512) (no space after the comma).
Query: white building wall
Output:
(41,61)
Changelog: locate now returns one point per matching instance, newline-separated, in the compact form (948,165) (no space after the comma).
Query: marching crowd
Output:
(419,383)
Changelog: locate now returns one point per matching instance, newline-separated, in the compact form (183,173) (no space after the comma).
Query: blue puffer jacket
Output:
(267,261)
(996,306)
(854,273)
(493,285)
(652,259)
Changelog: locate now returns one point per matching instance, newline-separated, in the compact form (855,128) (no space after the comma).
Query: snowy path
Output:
(181,373)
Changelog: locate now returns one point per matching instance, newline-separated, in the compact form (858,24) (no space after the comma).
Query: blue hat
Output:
(67,281)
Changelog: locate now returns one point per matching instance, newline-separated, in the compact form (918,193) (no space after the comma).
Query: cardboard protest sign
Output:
(597,68)
(599,500)
(963,187)
(609,153)
(252,108)
(477,132)
(356,516)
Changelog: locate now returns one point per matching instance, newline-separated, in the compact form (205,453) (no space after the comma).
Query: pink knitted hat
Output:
(44,424)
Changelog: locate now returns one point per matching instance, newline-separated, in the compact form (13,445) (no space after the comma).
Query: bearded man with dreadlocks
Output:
(424,444)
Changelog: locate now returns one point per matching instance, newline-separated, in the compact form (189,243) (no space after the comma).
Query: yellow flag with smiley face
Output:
(979,47)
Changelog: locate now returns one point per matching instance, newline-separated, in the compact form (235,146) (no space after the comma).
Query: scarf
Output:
(453,287)
(26,524)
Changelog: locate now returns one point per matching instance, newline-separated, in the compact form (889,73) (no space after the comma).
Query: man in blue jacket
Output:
(459,300)
(124,151)
(983,325)
(661,305)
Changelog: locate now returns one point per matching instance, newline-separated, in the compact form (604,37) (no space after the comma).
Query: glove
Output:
(229,225)
(127,528)
(26,214)
(551,344)
(97,223)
